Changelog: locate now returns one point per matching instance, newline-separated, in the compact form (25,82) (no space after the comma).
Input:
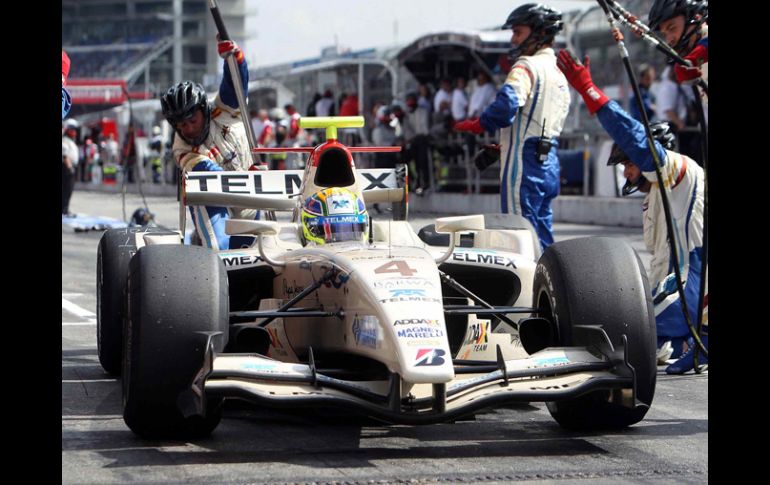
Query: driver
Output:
(210,138)
(334,215)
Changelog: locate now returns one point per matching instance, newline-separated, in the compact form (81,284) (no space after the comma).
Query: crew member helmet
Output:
(180,103)
(544,21)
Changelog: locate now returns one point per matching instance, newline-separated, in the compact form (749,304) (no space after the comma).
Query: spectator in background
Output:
(128,158)
(676,104)
(258,122)
(66,99)
(156,155)
(442,102)
(310,111)
(416,126)
(384,134)
(482,96)
(70,156)
(646,75)
(325,105)
(459,100)
(424,97)
(349,106)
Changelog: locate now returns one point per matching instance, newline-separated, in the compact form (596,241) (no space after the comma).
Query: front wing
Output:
(549,375)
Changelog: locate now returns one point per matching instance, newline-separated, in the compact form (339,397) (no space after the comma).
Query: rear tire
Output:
(599,281)
(116,247)
(177,300)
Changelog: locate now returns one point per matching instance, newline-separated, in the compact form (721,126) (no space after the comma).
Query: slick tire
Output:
(177,306)
(116,247)
(599,281)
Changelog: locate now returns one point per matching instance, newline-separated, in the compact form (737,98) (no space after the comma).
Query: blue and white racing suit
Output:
(225,148)
(684,181)
(534,94)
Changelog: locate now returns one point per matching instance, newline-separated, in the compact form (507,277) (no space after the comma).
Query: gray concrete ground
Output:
(513,443)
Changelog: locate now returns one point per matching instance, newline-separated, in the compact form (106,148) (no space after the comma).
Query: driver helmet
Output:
(334,214)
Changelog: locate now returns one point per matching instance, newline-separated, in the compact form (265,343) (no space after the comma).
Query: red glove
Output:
(228,47)
(472,125)
(579,77)
(697,57)
(65,68)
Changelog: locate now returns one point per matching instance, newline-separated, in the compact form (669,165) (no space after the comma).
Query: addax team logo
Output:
(429,357)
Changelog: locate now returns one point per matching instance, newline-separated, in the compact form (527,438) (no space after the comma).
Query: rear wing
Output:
(277,189)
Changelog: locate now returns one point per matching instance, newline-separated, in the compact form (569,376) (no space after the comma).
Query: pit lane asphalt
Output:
(513,443)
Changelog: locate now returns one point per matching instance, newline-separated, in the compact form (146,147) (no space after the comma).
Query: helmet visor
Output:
(332,229)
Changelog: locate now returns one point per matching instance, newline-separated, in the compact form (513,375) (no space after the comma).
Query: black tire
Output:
(177,299)
(599,281)
(116,247)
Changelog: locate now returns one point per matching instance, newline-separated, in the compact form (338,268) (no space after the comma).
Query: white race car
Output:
(381,322)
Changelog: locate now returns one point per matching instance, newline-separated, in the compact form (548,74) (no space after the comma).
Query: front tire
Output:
(599,281)
(116,247)
(177,302)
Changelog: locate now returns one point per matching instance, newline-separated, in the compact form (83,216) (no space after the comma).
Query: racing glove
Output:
(579,77)
(485,157)
(258,167)
(697,57)
(472,125)
(229,47)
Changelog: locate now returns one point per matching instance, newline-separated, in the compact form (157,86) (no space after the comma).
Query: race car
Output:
(334,308)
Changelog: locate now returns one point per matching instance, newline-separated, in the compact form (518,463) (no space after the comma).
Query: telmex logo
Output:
(416,321)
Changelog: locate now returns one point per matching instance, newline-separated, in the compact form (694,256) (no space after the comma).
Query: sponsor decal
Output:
(389,283)
(417,321)
(420,332)
(421,342)
(384,255)
(410,298)
(337,281)
(483,258)
(551,361)
(239,260)
(477,334)
(401,267)
(243,183)
(548,388)
(366,331)
(375,181)
(275,341)
(259,366)
(291,290)
(407,292)
(429,357)
(339,204)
